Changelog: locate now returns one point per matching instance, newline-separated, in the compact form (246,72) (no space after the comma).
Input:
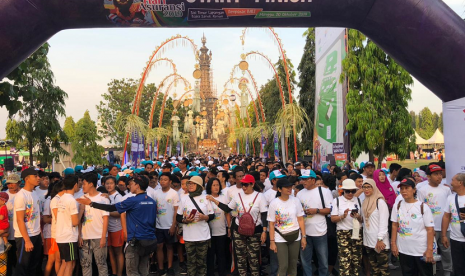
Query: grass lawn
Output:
(408,163)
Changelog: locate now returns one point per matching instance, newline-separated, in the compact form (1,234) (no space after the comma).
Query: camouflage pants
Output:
(247,251)
(379,261)
(350,253)
(197,257)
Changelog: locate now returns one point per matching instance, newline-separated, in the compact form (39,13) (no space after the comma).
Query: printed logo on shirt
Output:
(201,200)
(169,200)
(434,206)
(403,229)
(218,215)
(88,218)
(455,216)
(30,215)
(161,212)
(283,220)
(414,216)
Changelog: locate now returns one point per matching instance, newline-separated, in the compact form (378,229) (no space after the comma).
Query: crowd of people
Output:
(232,216)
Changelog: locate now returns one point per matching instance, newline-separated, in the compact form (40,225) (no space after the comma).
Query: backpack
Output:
(246,221)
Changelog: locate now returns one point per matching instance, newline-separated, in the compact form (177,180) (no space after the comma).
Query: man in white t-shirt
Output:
(435,196)
(66,228)
(368,170)
(26,221)
(167,201)
(42,189)
(453,218)
(93,229)
(12,181)
(316,202)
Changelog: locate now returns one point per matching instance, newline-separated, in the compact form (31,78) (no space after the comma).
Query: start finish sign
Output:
(425,36)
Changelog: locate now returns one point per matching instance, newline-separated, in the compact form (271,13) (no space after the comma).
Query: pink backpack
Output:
(246,221)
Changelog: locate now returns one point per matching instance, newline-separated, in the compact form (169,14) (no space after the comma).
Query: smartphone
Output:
(193,212)
(462,210)
(354,211)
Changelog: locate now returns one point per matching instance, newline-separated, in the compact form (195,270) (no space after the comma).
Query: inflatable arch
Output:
(425,36)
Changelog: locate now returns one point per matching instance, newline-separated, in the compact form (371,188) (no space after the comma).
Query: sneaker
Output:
(182,268)
(392,267)
(7,247)
(161,272)
(170,272)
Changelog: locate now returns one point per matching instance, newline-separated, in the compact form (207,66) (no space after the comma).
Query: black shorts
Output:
(163,236)
(68,251)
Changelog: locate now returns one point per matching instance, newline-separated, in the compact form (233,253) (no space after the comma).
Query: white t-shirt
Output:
(411,232)
(166,201)
(270,195)
(47,230)
(151,192)
(41,196)
(28,202)
(232,192)
(283,216)
(377,226)
(92,225)
(10,206)
(315,225)
(128,195)
(436,199)
(65,231)
(267,185)
(394,187)
(196,230)
(344,204)
(218,225)
(114,224)
(54,205)
(260,206)
(455,233)
(421,184)
(78,194)
(225,192)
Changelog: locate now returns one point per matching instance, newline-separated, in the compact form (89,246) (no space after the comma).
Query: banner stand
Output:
(453,113)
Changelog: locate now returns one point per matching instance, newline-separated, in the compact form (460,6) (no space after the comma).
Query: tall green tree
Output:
(21,82)
(41,108)
(377,101)
(117,103)
(84,144)
(426,129)
(307,68)
(440,125)
(412,117)
(69,127)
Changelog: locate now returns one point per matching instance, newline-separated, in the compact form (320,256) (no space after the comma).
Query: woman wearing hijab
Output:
(385,187)
(375,213)
(194,212)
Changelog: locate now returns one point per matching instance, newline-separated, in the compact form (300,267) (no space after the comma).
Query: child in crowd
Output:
(4,224)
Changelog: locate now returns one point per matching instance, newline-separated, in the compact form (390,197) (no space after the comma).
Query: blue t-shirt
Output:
(141,214)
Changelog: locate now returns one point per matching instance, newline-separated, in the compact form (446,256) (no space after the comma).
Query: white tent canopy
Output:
(437,138)
(419,140)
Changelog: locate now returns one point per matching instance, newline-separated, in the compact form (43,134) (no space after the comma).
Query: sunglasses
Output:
(350,191)
(246,184)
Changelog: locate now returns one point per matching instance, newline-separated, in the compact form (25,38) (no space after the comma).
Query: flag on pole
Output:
(275,142)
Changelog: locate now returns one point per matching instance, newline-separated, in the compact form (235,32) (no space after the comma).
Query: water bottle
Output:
(437,258)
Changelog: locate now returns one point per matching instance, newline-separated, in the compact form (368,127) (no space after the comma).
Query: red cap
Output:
(248,178)
(434,168)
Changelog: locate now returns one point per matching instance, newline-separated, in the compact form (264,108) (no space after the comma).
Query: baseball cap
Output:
(27,172)
(307,174)
(118,166)
(276,174)
(433,168)
(369,164)
(13,178)
(406,182)
(67,171)
(283,182)
(248,178)
(4,196)
(78,168)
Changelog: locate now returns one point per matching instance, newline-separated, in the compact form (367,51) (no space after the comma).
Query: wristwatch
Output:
(380,240)
(317,210)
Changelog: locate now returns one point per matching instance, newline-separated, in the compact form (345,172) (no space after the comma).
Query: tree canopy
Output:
(84,144)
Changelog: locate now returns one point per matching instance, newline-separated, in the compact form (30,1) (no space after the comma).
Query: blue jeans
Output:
(320,244)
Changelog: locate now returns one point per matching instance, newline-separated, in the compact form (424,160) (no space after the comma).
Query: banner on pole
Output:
(135,147)
(275,143)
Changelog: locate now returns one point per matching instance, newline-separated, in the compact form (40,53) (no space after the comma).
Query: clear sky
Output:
(85,61)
